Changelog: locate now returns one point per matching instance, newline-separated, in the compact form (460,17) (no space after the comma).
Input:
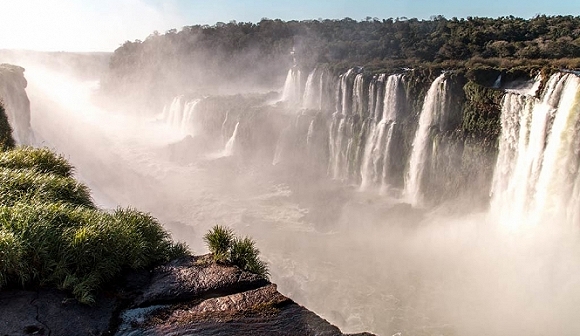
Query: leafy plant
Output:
(219,240)
(227,248)
(245,255)
(40,159)
(51,234)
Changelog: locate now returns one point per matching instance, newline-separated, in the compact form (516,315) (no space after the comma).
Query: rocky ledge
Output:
(189,296)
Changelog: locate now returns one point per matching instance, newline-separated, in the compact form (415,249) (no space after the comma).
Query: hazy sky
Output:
(103,25)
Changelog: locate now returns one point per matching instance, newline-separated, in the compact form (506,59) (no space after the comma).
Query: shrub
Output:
(6,139)
(51,234)
(30,185)
(78,248)
(227,248)
(40,159)
(219,240)
(245,255)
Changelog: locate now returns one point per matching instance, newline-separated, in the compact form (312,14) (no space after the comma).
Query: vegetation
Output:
(236,48)
(51,234)
(219,240)
(6,140)
(242,252)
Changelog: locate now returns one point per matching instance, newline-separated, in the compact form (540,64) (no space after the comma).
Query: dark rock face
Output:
(189,296)
(16,102)
(50,312)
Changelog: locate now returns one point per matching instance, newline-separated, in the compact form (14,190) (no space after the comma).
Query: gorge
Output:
(428,200)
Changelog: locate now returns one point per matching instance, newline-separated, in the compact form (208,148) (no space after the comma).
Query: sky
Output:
(103,25)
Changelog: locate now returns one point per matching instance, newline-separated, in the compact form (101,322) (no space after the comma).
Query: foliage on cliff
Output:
(225,247)
(6,140)
(51,234)
(233,49)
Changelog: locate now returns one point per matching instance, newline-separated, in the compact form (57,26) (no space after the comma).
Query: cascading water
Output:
(292,90)
(312,99)
(340,126)
(433,106)
(374,169)
(230,147)
(181,115)
(537,164)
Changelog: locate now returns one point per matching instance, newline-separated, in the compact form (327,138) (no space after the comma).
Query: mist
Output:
(199,137)
(363,261)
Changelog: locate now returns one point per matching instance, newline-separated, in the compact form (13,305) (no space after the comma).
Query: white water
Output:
(374,169)
(292,90)
(535,170)
(365,266)
(229,150)
(180,115)
(433,106)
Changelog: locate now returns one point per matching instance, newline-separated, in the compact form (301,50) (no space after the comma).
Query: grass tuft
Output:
(219,240)
(40,159)
(227,248)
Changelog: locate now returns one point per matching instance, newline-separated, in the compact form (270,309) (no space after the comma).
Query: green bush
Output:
(78,248)
(227,248)
(39,159)
(30,185)
(6,139)
(219,240)
(245,255)
(51,234)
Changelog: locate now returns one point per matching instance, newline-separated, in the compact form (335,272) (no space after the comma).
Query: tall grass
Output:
(51,234)
(227,248)
(30,185)
(219,240)
(40,159)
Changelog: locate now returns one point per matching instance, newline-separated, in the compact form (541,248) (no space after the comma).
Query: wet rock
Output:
(190,296)
(261,311)
(50,312)
(195,278)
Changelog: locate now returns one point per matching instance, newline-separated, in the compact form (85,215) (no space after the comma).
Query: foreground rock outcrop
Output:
(189,296)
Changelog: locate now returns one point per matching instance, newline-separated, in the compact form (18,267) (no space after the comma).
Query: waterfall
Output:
(358,95)
(180,115)
(376,160)
(312,99)
(292,87)
(278,152)
(231,144)
(310,134)
(536,173)
(433,106)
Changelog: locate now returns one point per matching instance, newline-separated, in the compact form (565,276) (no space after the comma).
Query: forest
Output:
(260,53)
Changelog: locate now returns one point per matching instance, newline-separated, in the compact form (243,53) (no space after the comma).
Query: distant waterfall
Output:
(231,144)
(292,91)
(312,98)
(340,139)
(537,170)
(180,114)
(375,165)
(433,106)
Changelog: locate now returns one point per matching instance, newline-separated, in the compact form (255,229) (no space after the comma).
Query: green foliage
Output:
(52,235)
(228,248)
(29,185)
(6,140)
(481,111)
(244,254)
(40,159)
(219,241)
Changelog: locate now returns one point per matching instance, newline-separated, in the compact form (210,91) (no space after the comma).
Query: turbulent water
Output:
(361,260)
